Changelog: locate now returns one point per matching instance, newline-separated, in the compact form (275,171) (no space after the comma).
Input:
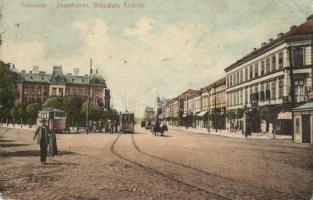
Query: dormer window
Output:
(31,77)
(58,78)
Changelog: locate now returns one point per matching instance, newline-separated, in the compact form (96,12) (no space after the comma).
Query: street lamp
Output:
(215,111)
(88,98)
(187,111)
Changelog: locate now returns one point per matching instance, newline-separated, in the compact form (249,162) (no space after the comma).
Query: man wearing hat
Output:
(43,133)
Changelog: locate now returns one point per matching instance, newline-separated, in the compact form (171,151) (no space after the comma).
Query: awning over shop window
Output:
(202,113)
(284,115)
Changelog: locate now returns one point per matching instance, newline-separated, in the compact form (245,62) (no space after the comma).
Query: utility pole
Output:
(215,112)
(310,91)
(187,114)
(88,98)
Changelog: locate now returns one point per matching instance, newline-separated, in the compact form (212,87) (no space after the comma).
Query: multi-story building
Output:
(173,109)
(150,114)
(161,105)
(278,75)
(192,106)
(202,108)
(37,86)
(173,112)
(214,105)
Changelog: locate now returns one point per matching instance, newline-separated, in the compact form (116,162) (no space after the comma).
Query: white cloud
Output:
(26,54)
(142,27)
(169,57)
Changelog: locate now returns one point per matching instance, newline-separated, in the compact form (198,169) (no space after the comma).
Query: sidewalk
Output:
(225,133)
(17,126)
(34,127)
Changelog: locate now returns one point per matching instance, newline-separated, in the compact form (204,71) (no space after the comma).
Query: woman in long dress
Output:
(53,148)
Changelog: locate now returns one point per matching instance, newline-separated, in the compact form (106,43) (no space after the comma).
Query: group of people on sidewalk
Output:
(100,126)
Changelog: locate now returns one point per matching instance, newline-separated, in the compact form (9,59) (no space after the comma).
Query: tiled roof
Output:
(68,78)
(217,83)
(189,92)
(303,29)
(30,77)
(76,79)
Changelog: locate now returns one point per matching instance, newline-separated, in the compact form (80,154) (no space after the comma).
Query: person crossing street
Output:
(42,134)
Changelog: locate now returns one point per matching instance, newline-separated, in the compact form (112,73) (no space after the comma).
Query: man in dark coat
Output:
(42,134)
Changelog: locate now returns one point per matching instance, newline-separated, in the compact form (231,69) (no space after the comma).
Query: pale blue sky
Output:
(170,45)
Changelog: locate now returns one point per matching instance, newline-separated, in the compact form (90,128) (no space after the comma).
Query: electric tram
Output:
(56,119)
(127,122)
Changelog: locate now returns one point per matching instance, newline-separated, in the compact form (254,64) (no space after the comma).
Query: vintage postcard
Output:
(162,99)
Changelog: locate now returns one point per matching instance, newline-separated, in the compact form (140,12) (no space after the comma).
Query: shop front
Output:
(303,123)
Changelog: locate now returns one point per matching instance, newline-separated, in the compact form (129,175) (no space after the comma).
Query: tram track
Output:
(2,133)
(205,172)
(154,171)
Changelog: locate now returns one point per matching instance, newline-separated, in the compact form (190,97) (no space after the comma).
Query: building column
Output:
(277,89)
(286,83)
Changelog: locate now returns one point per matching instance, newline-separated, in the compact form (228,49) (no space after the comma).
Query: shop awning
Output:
(202,113)
(284,115)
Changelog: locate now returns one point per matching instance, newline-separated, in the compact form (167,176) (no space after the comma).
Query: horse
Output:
(159,129)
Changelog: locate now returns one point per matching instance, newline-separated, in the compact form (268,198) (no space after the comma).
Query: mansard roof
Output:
(35,77)
(58,77)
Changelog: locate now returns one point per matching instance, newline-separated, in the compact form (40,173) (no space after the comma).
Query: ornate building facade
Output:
(278,75)
(37,86)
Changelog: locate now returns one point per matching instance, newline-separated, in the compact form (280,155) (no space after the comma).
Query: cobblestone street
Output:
(179,165)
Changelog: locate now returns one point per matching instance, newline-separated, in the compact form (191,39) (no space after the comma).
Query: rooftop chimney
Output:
(280,34)
(271,39)
(309,17)
(293,27)
(254,49)
(76,71)
(35,68)
(263,44)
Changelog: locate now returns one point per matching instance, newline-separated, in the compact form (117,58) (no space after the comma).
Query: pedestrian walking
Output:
(274,131)
(53,148)
(42,134)
(106,127)
(116,127)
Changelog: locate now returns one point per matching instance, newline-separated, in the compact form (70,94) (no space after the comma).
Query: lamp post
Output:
(215,111)
(1,106)
(187,111)
(88,98)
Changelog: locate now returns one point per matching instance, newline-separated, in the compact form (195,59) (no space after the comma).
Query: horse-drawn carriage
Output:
(158,128)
